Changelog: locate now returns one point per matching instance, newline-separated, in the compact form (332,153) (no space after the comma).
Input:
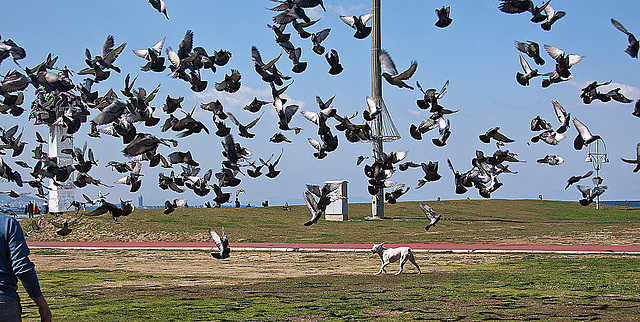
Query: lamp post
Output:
(597,156)
(376,94)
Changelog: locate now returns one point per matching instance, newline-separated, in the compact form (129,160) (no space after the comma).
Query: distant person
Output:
(248,205)
(539,197)
(36,210)
(286,207)
(265,203)
(237,203)
(14,265)
(45,208)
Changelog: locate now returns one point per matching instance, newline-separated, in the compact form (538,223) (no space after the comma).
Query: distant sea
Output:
(624,203)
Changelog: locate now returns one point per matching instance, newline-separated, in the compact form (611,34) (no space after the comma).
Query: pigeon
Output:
(65,225)
(279,137)
(552,17)
(589,194)
(523,79)
(10,48)
(221,197)
(279,31)
(285,114)
(532,50)
(636,161)
(108,55)
(327,194)
(231,82)
(334,62)
(317,38)
(299,27)
(444,133)
(460,188)
(172,104)
(153,55)
(360,159)
(584,137)
(243,129)
(430,173)
(520,6)
(431,98)
(125,209)
(133,178)
(549,136)
(397,192)
(443,17)
(431,215)
(160,6)
(272,167)
(551,159)
(636,109)
(390,73)
(359,24)
(255,105)
(222,243)
(372,110)
(424,127)
(633,47)
(575,179)
(493,133)
(538,124)
(563,61)
(562,115)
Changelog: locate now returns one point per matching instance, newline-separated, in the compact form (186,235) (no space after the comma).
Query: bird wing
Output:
(560,111)
(409,72)
(254,122)
(619,26)
(311,116)
(158,47)
(586,191)
(173,57)
(373,107)
(107,47)
(525,65)
(349,20)
(584,132)
(554,52)
(574,59)
(365,18)
(216,239)
(322,35)
(312,205)
(500,137)
(427,211)
(185,47)
(233,119)
(386,63)
(315,189)
(112,55)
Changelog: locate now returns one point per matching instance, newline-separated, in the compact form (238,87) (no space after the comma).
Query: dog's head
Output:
(377,248)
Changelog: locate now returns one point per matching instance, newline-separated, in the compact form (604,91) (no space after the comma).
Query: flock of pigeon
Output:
(124,114)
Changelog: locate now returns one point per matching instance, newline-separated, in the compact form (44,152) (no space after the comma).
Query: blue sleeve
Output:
(22,266)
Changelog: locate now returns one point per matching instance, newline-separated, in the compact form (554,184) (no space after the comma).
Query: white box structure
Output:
(60,197)
(338,210)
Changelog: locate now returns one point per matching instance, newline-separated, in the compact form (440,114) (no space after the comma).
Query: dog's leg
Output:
(402,261)
(382,270)
(413,261)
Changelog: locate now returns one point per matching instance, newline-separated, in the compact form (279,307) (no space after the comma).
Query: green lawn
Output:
(328,286)
(463,221)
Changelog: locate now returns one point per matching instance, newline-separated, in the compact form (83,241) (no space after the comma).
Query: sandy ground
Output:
(240,267)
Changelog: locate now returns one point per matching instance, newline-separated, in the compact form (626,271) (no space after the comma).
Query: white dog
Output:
(390,255)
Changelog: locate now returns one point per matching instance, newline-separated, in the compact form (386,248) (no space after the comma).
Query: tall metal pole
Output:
(376,94)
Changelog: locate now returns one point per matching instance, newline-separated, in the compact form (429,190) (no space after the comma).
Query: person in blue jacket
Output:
(14,265)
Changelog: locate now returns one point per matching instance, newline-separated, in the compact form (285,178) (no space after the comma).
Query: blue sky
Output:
(475,53)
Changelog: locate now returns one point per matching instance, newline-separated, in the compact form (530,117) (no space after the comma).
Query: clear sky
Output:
(475,53)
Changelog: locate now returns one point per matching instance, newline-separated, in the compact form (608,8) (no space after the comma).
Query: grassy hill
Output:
(463,221)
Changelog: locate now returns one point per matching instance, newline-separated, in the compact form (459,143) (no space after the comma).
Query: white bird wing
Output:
(387,64)
(365,18)
(311,116)
(142,53)
(315,144)
(574,59)
(549,12)
(349,21)
(427,211)
(216,239)
(554,52)
(582,129)
(373,107)
(158,47)
(525,65)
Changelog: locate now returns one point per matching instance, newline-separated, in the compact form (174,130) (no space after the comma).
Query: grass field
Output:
(139,285)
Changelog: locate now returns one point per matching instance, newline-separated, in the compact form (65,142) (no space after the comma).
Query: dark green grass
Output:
(464,221)
(508,287)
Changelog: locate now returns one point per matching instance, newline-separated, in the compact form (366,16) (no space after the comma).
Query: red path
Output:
(456,248)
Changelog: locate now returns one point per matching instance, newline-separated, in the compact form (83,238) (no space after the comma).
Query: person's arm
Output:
(43,309)
(24,268)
